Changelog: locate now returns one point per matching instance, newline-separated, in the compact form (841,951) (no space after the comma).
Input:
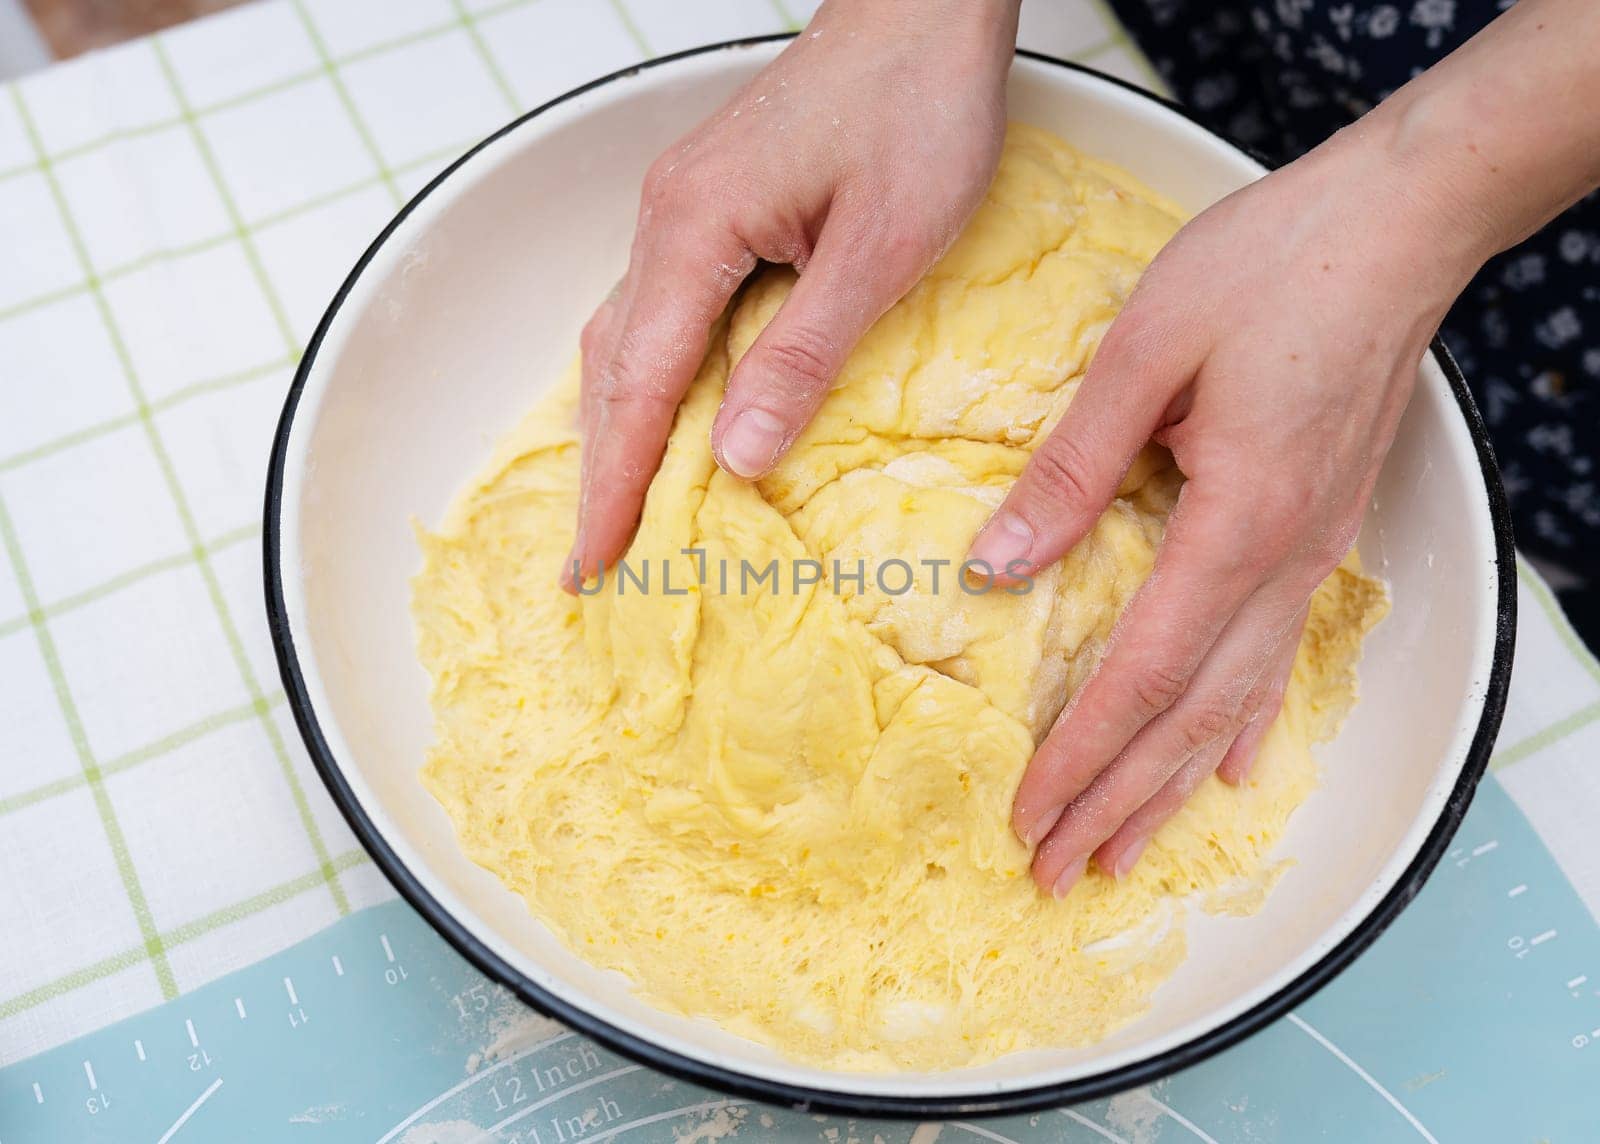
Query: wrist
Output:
(1501,135)
(950,20)
(1441,224)
(1459,191)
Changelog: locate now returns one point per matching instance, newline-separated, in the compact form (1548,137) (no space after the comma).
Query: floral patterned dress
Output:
(1279,76)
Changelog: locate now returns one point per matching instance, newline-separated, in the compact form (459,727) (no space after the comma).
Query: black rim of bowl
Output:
(684,1067)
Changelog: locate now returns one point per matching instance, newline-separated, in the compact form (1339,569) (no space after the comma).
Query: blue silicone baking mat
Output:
(1476,1017)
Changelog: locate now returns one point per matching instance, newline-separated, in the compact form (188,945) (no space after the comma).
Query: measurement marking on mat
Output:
(1480,851)
(288,986)
(1098,1129)
(88,1071)
(687,1110)
(194,1038)
(494,1130)
(1545,936)
(190,1111)
(238,1004)
(1371,1081)
(1194,1128)
(470,1081)
(981,1132)
(1521,888)
(388,950)
(38,1093)
(338,966)
(138,1047)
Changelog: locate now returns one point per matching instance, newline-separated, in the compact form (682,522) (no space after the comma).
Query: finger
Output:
(1074,473)
(1202,576)
(596,345)
(1118,855)
(851,279)
(1170,756)
(1241,756)
(680,281)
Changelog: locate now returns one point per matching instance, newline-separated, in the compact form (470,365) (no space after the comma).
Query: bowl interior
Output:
(472,305)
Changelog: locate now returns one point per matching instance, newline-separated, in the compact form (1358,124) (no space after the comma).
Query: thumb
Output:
(781,382)
(1074,474)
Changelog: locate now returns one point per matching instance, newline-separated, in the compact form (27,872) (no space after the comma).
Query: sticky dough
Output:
(789,811)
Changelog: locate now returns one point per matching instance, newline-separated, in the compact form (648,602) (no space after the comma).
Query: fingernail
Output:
(570,573)
(1042,826)
(1241,757)
(1004,539)
(1130,858)
(1069,878)
(751,443)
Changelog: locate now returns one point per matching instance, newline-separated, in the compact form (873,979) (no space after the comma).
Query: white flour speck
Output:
(1135,1117)
(320,1114)
(719,1125)
(444,1132)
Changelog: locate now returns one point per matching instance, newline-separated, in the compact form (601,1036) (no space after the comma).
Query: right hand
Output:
(857,157)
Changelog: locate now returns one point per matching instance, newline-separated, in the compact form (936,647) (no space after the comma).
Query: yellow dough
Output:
(787,809)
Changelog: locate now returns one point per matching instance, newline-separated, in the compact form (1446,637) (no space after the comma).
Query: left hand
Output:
(856,156)
(1272,346)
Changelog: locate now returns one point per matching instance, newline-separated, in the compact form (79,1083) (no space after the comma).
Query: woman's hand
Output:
(1272,346)
(856,156)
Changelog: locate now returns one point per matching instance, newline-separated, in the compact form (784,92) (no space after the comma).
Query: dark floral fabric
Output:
(1280,76)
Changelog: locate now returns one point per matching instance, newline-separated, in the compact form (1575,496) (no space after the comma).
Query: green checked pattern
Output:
(1575,656)
(170,242)
(156,943)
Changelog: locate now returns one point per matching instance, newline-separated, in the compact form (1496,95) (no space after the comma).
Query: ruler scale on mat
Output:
(1475,1018)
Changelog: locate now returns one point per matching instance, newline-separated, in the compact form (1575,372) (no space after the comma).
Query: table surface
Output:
(175,214)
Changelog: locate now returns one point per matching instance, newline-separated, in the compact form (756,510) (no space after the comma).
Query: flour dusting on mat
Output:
(443,1132)
(719,1124)
(511,1028)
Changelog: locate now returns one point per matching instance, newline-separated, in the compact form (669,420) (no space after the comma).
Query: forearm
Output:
(936,11)
(953,22)
(1503,134)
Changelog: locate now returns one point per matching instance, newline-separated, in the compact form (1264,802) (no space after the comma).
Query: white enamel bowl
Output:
(471,301)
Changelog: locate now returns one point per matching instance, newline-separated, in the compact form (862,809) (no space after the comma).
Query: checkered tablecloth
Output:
(174,215)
